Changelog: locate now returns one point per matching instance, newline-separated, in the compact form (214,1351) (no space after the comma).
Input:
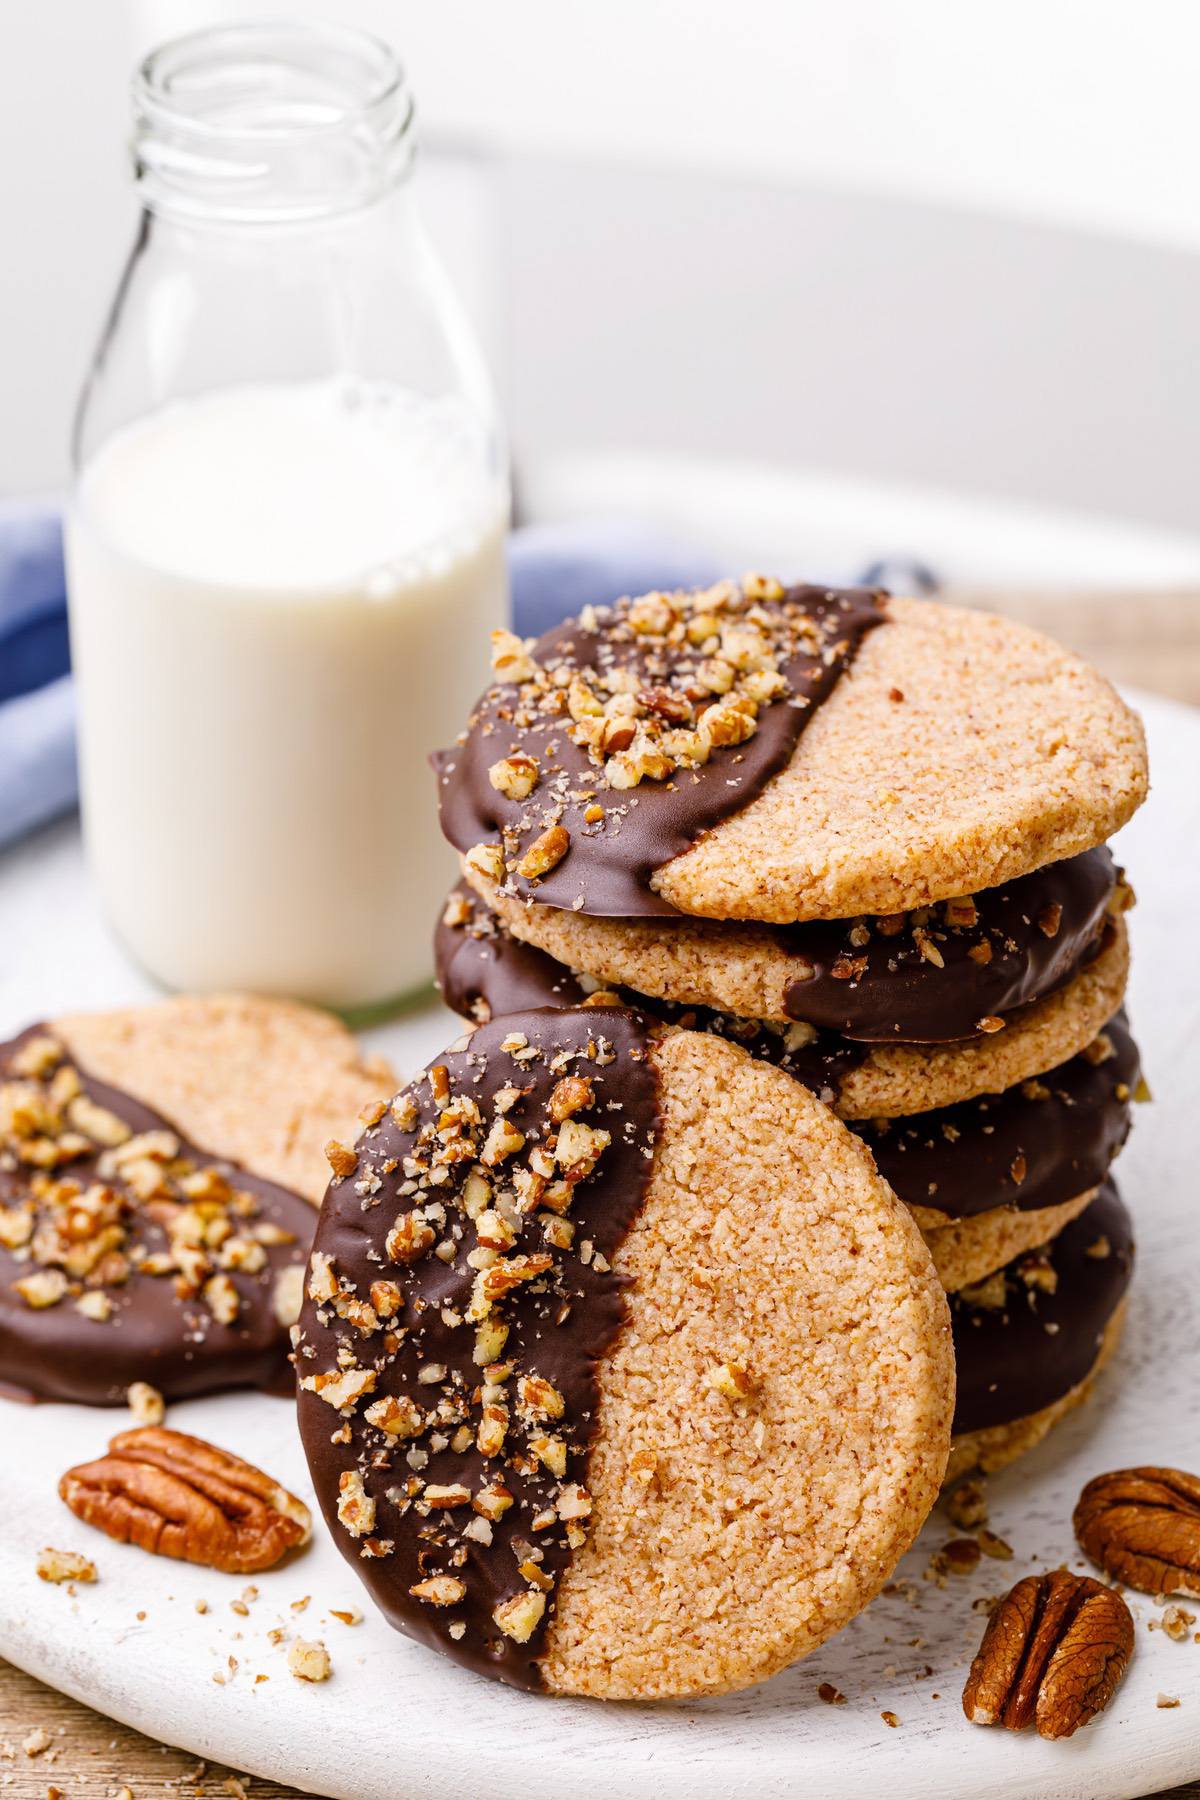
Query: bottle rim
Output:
(270,121)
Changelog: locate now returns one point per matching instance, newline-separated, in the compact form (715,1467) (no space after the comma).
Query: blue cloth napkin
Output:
(555,571)
(37,726)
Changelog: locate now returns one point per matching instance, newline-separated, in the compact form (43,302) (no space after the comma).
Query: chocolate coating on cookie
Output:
(950,971)
(483,972)
(460,1299)
(1032,1332)
(128,1254)
(622,737)
(1033,1146)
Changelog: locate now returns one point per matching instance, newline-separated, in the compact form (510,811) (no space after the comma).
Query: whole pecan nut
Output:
(1143,1527)
(180,1496)
(1053,1655)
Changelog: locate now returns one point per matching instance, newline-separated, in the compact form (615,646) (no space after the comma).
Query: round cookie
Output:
(614,1414)
(994,1446)
(1029,1339)
(130,1251)
(1004,752)
(951,752)
(484,968)
(970,1250)
(938,975)
(1032,1147)
(910,1078)
(265,1082)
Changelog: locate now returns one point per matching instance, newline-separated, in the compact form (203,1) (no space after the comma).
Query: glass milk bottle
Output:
(285,542)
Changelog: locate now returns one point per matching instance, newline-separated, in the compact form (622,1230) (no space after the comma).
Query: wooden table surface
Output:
(1149,641)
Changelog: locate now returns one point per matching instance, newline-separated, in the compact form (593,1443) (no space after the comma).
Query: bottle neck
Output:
(270,125)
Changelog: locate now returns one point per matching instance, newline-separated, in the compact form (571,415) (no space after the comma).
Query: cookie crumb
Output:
(308,1660)
(1176,1621)
(967,1504)
(65,1565)
(145,1403)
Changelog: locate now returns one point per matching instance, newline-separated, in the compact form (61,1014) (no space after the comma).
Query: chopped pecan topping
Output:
(545,853)
(341,1159)
(671,679)
(520,1617)
(439,1590)
(99,1205)
(1052,1656)
(463,1419)
(514,776)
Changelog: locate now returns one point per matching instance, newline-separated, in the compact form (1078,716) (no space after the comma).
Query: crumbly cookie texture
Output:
(910,1078)
(761,972)
(264,1082)
(998,1445)
(959,750)
(737,968)
(892,1079)
(762,1317)
(969,1250)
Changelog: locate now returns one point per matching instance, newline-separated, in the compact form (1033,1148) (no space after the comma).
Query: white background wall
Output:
(932,243)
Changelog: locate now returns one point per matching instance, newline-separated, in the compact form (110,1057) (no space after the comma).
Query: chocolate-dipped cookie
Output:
(1029,1340)
(985,1179)
(131,1252)
(484,968)
(566,1342)
(759,753)
(1031,1147)
(958,970)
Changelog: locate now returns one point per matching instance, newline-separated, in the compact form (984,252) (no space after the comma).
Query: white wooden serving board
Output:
(396,1722)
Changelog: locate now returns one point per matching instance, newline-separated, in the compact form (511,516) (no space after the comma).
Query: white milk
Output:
(280,603)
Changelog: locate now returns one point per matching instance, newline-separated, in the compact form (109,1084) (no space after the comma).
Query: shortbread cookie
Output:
(1029,1338)
(997,1445)
(753,753)
(485,970)
(937,975)
(133,1251)
(621,1371)
(1035,1146)
(970,1250)
(265,1082)
(910,1078)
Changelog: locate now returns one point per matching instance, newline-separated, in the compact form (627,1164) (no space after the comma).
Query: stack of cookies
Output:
(794,962)
(864,839)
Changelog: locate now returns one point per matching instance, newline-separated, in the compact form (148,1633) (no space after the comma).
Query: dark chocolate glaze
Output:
(484,972)
(1040,930)
(1035,1145)
(154,1334)
(559,1328)
(608,867)
(1015,1359)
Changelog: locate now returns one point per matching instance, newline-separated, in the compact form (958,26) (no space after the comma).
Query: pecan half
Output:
(1143,1527)
(1053,1655)
(180,1496)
